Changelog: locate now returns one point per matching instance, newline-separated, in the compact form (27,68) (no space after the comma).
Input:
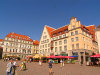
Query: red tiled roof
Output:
(27,38)
(1,47)
(91,30)
(98,26)
(1,40)
(60,30)
(36,42)
(49,30)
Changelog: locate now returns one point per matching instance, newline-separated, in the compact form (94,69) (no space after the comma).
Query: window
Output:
(19,50)
(44,32)
(16,50)
(83,32)
(55,49)
(10,50)
(72,46)
(65,30)
(64,35)
(34,46)
(65,41)
(76,32)
(16,36)
(84,46)
(45,50)
(48,50)
(60,42)
(60,48)
(20,40)
(45,45)
(11,44)
(72,33)
(6,44)
(11,39)
(24,38)
(34,51)
(83,38)
(12,36)
(52,50)
(59,33)
(73,26)
(88,47)
(13,50)
(52,39)
(54,34)
(90,41)
(20,37)
(72,39)
(6,49)
(76,39)
(65,48)
(48,45)
(87,40)
(55,43)
(56,38)
(60,37)
(77,46)
(47,40)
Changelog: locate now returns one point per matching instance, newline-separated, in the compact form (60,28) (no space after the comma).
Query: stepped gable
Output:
(49,30)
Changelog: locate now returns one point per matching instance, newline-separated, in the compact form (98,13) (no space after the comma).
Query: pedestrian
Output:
(9,68)
(24,65)
(50,67)
(40,63)
(30,60)
(81,62)
(6,59)
(21,65)
(27,60)
(15,65)
(61,63)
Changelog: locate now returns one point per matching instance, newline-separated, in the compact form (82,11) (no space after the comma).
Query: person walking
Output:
(81,62)
(9,68)
(30,60)
(6,59)
(40,63)
(61,63)
(50,67)
(15,65)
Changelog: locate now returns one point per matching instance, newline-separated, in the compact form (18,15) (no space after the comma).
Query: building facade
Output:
(36,49)
(17,45)
(97,36)
(1,42)
(72,39)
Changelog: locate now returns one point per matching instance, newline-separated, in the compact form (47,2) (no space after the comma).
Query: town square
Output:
(49,37)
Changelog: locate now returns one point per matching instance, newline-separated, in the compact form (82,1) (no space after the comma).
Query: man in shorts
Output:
(50,67)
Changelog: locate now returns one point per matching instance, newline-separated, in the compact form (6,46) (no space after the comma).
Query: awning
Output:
(96,56)
(74,56)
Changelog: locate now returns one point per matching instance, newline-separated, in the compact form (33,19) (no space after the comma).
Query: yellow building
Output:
(72,39)
(17,45)
(35,49)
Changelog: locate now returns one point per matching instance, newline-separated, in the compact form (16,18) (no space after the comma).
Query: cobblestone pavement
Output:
(33,68)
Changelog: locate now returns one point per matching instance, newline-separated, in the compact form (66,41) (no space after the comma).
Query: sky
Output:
(28,17)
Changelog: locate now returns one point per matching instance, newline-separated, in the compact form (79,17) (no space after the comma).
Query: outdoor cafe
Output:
(94,60)
(56,59)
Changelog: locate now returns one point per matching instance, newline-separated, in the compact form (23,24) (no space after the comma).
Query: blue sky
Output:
(28,17)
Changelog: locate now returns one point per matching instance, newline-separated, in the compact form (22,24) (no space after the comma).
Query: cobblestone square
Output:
(33,68)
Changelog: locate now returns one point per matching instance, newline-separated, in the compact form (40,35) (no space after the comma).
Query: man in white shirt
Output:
(15,65)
